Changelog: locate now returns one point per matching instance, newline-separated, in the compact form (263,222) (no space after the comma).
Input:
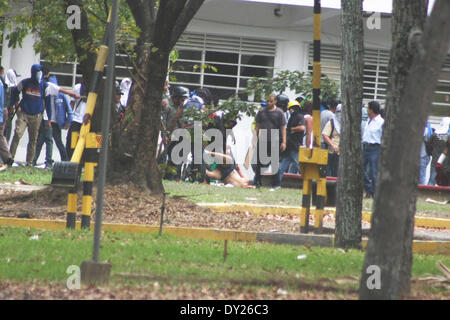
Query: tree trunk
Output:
(414,69)
(349,186)
(161,26)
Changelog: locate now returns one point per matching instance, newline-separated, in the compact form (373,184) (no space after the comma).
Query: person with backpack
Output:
(31,107)
(331,135)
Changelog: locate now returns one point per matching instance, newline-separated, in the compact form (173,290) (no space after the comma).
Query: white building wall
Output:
(21,58)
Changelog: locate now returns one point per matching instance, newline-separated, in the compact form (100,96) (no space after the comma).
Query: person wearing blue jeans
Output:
(294,132)
(371,147)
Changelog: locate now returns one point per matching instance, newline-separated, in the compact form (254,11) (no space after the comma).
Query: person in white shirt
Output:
(79,110)
(371,147)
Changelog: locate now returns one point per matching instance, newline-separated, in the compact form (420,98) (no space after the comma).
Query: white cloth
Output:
(311,145)
(373,130)
(80,105)
(337,118)
(52,89)
(125,86)
(11,78)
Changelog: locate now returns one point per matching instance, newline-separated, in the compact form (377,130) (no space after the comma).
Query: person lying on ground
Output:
(227,170)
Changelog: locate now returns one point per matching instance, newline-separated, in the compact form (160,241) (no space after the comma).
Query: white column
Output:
(291,55)
(21,58)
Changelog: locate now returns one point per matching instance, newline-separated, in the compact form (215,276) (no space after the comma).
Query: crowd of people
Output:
(292,121)
(45,109)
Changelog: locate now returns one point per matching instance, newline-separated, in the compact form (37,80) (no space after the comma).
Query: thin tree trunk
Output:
(390,243)
(349,186)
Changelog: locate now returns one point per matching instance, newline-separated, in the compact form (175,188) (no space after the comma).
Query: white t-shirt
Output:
(373,130)
(80,106)
(52,89)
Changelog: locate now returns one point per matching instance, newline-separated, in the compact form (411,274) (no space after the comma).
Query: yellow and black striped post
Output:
(313,162)
(93,143)
(80,141)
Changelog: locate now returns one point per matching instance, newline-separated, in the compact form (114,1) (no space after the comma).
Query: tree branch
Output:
(184,18)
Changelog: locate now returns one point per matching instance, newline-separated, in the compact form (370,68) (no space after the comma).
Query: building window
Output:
(376,76)
(222,64)
(68,73)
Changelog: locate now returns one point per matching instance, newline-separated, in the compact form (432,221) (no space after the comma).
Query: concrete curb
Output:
(280,210)
(423,247)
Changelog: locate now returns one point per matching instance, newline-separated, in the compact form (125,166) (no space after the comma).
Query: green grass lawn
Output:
(30,175)
(180,259)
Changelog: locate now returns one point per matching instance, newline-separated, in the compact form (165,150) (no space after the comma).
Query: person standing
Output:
(438,142)
(178,97)
(325,116)
(5,155)
(425,154)
(79,109)
(331,134)
(45,133)
(268,119)
(62,116)
(371,147)
(31,107)
(11,82)
(294,132)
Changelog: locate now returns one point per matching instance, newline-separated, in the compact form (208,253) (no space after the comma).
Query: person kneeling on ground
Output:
(227,170)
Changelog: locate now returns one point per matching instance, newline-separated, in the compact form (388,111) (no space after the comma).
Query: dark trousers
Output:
(44,136)
(261,163)
(371,153)
(333,164)
(74,127)
(56,132)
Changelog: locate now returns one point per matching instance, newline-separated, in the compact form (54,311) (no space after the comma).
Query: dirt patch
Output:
(129,205)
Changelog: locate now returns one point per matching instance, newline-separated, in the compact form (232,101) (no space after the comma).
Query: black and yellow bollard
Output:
(313,162)
(93,144)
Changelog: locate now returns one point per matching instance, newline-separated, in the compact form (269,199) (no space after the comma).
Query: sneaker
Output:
(275,188)
(3,167)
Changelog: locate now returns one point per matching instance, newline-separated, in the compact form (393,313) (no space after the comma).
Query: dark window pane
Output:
(256,72)
(186,66)
(221,94)
(220,81)
(190,55)
(221,69)
(213,56)
(185,77)
(257,60)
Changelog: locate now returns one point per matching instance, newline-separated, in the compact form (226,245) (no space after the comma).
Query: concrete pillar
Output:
(291,55)
(21,58)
